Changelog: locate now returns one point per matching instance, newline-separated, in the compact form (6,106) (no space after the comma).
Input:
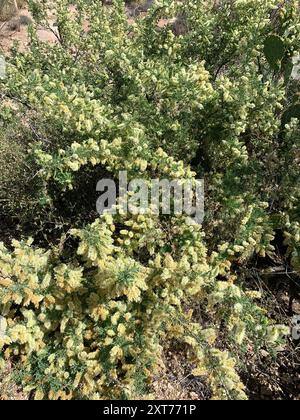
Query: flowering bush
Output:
(90,316)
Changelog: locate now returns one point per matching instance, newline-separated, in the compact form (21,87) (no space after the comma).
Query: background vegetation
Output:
(189,89)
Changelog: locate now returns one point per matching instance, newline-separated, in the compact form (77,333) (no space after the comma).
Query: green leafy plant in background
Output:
(92,303)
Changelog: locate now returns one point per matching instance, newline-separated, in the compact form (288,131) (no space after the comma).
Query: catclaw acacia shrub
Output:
(90,315)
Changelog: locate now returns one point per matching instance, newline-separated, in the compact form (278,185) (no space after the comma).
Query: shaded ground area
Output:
(279,377)
(266,377)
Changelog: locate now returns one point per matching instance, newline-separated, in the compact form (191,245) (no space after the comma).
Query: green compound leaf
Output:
(274,50)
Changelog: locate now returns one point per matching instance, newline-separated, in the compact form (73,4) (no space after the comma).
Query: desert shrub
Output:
(89,316)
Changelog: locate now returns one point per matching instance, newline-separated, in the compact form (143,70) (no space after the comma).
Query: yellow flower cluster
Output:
(89,318)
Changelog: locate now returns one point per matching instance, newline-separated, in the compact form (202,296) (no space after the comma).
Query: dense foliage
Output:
(191,89)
